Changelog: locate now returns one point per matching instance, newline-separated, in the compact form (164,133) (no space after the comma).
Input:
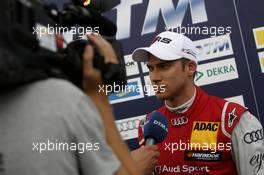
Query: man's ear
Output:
(191,66)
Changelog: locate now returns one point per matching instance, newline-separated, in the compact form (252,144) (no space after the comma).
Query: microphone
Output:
(155,128)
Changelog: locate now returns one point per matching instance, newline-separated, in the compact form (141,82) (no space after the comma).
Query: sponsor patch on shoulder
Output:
(231,117)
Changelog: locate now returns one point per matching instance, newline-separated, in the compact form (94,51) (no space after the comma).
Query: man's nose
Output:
(155,77)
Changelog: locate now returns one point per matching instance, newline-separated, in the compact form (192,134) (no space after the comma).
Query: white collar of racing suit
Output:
(183,107)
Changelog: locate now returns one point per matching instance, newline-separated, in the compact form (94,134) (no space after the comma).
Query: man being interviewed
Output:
(207,135)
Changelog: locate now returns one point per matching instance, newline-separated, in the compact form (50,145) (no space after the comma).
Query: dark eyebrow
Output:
(162,63)
(165,63)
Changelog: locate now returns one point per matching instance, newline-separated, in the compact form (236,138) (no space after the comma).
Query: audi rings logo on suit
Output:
(254,136)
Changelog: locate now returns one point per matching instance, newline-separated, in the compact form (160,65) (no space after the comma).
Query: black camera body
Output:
(111,73)
(19,36)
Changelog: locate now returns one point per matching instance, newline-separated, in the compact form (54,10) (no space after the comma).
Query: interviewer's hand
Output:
(146,157)
(91,76)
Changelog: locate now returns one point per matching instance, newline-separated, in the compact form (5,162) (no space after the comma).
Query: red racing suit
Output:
(199,140)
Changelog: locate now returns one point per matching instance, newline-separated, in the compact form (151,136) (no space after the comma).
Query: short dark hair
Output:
(184,61)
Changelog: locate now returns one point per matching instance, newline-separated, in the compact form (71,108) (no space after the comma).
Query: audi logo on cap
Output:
(254,136)
(179,121)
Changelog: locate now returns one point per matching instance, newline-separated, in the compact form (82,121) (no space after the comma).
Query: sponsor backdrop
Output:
(229,34)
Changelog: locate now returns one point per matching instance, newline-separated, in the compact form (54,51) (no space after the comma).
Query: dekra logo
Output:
(200,126)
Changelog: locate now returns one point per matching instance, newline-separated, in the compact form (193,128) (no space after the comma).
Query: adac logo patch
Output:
(204,132)
(205,126)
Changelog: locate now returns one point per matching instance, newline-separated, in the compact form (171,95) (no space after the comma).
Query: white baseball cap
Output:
(168,46)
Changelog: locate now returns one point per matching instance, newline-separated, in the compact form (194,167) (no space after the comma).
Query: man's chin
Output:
(162,96)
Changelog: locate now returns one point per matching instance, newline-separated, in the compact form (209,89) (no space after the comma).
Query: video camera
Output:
(24,20)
